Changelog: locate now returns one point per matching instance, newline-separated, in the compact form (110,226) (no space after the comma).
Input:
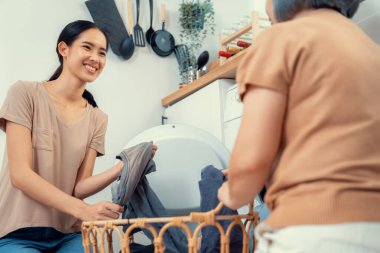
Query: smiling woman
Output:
(89,44)
(54,133)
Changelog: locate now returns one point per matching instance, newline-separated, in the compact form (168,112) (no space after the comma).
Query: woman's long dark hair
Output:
(68,35)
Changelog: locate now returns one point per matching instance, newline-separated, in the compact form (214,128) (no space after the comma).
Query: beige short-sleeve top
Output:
(329,165)
(58,151)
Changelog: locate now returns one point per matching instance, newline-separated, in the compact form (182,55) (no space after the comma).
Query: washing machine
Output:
(183,151)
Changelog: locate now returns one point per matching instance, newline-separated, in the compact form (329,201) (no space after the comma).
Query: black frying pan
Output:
(162,42)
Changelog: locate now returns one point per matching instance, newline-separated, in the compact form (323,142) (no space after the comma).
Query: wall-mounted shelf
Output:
(225,71)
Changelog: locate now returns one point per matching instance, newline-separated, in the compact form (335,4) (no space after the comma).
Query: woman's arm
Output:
(256,146)
(23,177)
(86,184)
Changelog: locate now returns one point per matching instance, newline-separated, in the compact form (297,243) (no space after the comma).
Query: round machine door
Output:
(183,152)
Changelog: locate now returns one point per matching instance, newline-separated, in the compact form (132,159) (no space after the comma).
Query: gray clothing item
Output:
(135,161)
(133,191)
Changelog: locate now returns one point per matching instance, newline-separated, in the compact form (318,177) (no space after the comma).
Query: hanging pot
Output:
(162,41)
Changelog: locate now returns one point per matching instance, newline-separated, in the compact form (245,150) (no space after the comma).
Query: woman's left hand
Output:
(224,195)
(154,149)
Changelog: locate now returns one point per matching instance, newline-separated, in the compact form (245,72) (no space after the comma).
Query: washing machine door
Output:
(183,151)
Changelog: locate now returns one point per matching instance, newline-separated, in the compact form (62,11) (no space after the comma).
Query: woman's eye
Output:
(102,54)
(86,47)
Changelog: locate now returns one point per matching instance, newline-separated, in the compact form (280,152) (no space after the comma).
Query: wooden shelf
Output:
(225,71)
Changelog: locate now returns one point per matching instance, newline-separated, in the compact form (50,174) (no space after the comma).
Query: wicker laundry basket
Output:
(95,232)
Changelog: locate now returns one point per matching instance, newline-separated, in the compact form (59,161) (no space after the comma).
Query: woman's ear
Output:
(63,49)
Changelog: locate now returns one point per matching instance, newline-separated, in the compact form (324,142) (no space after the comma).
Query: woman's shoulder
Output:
(98,112)
(286,30)
(23,88)
(98,116)
(278,34)
(24,85)
(290,37)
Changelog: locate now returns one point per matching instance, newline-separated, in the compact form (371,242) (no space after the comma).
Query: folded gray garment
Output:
(135,161)
(133,191)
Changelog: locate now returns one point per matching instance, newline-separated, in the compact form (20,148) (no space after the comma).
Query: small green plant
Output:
(197,21)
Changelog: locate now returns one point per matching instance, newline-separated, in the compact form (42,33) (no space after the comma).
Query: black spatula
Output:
(137,30)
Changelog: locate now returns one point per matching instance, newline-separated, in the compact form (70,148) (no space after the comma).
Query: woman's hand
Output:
(224,195)
(100,211)
(119,166)
(154,149)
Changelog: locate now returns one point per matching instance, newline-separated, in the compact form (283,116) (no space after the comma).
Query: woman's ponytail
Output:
(57,73)
(88,96)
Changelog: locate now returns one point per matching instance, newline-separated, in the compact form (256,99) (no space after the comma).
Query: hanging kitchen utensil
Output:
(162,41)
(150,31)
(127,47)
(137,30)
(106,16)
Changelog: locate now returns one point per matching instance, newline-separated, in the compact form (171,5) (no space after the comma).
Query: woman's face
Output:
(85,58)
(270,11)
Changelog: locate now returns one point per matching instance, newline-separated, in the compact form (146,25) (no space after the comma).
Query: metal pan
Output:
(162,41)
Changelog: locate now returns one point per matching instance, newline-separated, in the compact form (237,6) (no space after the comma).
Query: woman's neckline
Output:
(56,112)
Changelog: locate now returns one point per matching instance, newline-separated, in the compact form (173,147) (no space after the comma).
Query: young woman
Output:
(310,87)
(54,132)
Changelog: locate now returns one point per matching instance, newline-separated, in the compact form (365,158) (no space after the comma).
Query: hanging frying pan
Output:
(162,41)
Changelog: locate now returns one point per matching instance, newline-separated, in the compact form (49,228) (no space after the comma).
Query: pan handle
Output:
(151,12)
(163,12)
(138,11)
(129,16)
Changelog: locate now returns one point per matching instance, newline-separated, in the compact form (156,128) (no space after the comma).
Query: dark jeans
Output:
(211,180)
(41,240)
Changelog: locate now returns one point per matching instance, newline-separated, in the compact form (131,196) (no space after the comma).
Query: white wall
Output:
(129,91)
(258,5)
(368,18)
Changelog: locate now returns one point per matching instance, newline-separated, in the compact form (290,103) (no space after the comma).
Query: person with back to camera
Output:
(54,132)
(310,87)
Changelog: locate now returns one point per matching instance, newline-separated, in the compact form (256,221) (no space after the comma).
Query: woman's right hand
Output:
(154,150)
(100,211)
(225,172)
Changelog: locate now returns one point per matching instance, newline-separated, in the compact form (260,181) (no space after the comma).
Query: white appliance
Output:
(183,151)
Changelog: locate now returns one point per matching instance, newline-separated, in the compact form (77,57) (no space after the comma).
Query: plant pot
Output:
(193,15)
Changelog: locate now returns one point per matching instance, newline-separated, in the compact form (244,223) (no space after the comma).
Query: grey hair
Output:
(286,9)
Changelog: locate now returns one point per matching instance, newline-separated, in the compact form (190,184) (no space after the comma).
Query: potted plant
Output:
(196,18)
